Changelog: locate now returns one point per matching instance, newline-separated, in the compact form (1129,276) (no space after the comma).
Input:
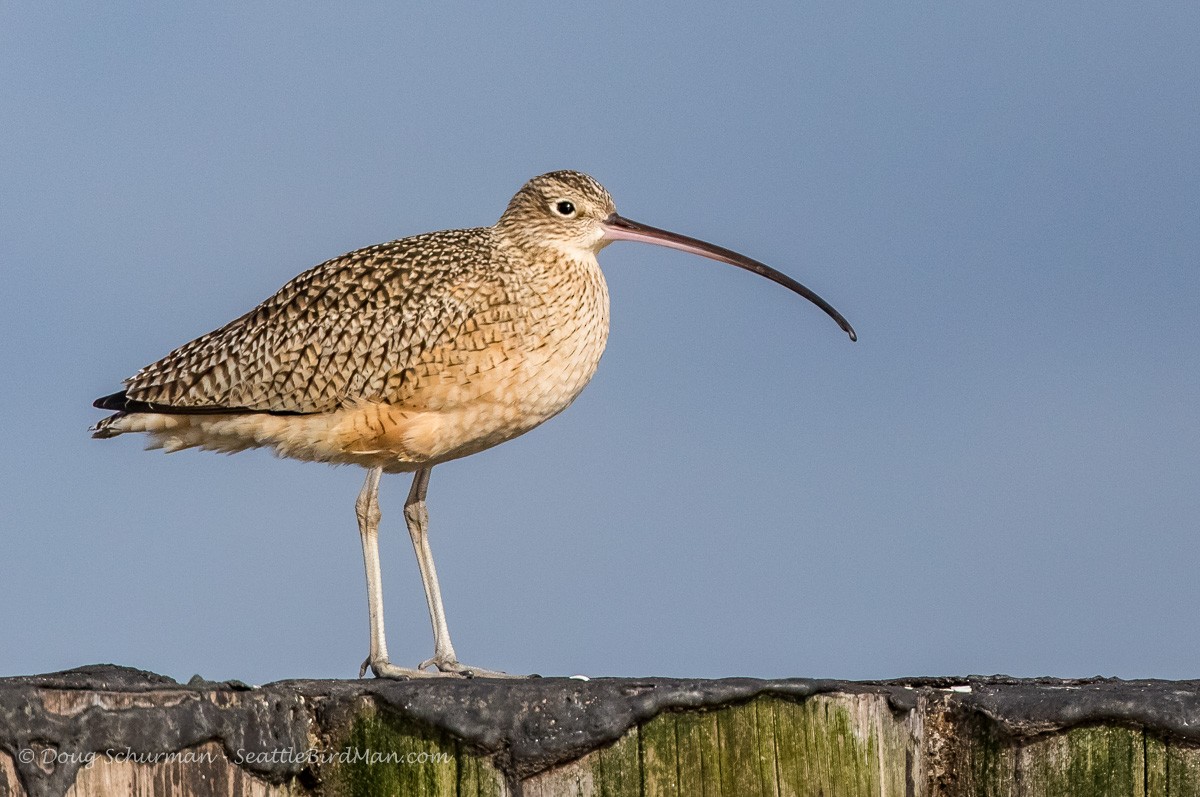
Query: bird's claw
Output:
(382,668)
(449,666)
(444,667)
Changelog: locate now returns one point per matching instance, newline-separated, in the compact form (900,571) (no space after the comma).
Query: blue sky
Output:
(1000,476)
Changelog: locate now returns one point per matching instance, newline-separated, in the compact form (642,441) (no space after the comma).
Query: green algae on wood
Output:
(821,751)
(1092,761)
(658,749)
(770,746)
(1085,762)
(384,753)
(620,767)
(739,750)
(1181,770)
(478,778)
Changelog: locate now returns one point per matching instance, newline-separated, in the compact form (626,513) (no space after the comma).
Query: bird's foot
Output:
(382,668)
(452,666)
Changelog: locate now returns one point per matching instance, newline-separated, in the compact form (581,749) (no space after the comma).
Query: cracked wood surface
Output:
(105,730)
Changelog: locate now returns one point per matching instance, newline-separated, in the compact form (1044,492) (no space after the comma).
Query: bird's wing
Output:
(349,329)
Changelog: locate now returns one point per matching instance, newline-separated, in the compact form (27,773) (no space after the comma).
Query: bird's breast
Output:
(515,364)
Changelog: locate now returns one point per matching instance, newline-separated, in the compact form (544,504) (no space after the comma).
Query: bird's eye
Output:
(565,208)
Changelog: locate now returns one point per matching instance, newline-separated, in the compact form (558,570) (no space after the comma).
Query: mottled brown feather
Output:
(351,328)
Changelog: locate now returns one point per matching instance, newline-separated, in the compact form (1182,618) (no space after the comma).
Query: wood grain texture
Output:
(435,739)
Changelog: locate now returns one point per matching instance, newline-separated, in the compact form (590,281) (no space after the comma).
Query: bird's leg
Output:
(417,516)
(367,509)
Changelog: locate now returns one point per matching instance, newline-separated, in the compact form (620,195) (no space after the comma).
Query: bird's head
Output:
(573,214)
(562,210)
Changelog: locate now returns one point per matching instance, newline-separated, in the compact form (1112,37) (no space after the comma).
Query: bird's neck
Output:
(548,258)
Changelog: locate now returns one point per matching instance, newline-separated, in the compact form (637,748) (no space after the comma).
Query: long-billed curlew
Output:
(407,354)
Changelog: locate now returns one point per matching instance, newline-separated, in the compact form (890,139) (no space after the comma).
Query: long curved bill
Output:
(618,228)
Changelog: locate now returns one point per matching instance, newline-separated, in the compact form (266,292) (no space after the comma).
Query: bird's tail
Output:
(107,427)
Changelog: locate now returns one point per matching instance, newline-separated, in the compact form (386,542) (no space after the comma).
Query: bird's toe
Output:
(448,666)
(382,668)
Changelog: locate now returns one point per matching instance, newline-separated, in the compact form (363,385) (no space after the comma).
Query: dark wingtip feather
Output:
(117,402)
(120,402)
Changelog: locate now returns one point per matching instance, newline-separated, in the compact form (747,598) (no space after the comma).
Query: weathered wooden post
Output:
(107,730)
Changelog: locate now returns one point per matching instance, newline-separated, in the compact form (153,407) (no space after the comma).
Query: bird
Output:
(404,355)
